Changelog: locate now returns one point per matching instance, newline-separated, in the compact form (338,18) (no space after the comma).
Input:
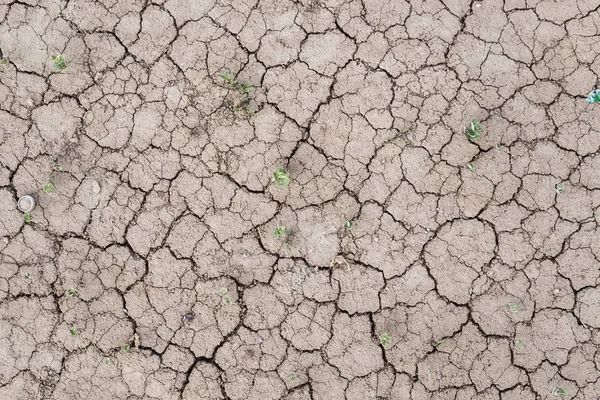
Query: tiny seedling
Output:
(560,187)
(125,346)
(292,377)
(73,331)
(27,217)
(4,60)
(512,307)
(223,291)
(471,166)
(384,338)
(71,292)
(107,361)
(281,177)
(498,147)
(348,225)
(594,96)
(242,105)
(558,391)
(438,343)
(228,78)
(27,276)
(227,299)
(283,234)
(518,341)
(48,187)
(58,62)
(280,231)
(473,130)
(57,167)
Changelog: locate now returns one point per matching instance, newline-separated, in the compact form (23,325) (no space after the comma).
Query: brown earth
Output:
(453,283)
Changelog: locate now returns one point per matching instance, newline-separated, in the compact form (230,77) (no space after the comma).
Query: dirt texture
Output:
(411,262)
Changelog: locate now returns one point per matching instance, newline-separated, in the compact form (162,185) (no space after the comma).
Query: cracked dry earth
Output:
(453,283)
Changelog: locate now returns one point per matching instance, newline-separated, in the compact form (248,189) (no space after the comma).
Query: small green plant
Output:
(228,78)
(48,187)
(27,276)
(384,338)
(57,167)
(283,234)
(558,391)
(518,341)
(27,217)
(594,96)
(59,62)
(560,187)
(71,292)
(107,361)
(4,60)
(498,149)
(512,307)
(125,347)
(222,291)
(471,166)
(280,231)
(349,225)
(438,343)
(473,130)
(73,331)
(242,104)
(227,299)
(280,176)
(292,377)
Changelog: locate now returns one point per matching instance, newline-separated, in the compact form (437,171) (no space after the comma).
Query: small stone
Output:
(95,186)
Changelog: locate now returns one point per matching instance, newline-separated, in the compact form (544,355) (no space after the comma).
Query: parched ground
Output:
(471,270)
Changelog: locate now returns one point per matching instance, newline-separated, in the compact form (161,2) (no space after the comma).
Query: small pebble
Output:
(95,186)
(188,317)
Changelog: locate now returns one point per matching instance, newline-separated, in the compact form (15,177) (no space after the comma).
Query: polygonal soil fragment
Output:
(457,255)
(352,349)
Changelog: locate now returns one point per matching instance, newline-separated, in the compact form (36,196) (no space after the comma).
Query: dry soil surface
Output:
(149,270)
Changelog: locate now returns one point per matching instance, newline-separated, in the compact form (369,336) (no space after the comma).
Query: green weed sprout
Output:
(594,96)
(558,391)
(228,78)
(281,177)
(473,131)
(4,60)
(27,276)
(222,291)
(125,347)
(471,166)
(27,217)
(512,307)
(73,331)
(71,292)
(283,234)
(48,187)
(280,231)
(384,338)
(560,187)
(58,62)
(349,225)
(242,105)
